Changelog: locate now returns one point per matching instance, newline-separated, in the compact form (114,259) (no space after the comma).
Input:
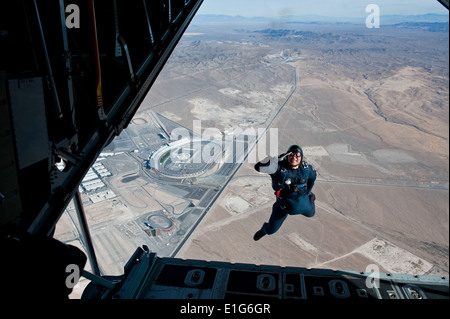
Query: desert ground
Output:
(370,110)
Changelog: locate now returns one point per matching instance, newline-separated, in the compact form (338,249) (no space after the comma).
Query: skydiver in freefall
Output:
(292,181)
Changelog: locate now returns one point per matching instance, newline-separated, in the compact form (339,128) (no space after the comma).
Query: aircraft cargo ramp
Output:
(150,277)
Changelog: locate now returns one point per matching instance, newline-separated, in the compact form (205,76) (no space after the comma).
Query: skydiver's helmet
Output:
(295,149)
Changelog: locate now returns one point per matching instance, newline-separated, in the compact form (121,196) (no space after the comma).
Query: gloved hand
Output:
(283,156)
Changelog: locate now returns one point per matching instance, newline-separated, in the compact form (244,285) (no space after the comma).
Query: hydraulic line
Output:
(96,54)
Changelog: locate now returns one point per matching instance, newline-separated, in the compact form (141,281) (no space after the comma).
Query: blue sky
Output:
(331,8)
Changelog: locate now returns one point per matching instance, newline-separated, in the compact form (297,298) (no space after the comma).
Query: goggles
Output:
(295,154)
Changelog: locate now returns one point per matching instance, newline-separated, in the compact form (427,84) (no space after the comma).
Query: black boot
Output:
(258,235)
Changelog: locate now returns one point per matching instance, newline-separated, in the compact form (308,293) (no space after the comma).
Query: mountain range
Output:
(384,19)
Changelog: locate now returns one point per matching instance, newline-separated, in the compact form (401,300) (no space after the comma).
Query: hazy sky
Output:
(331,8)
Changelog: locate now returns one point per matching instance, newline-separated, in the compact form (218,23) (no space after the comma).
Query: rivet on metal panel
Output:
(194,277)
(362,293)
(265,282)
(392,294)
(318,291)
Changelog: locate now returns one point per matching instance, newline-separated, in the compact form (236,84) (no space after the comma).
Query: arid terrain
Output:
(370,107)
